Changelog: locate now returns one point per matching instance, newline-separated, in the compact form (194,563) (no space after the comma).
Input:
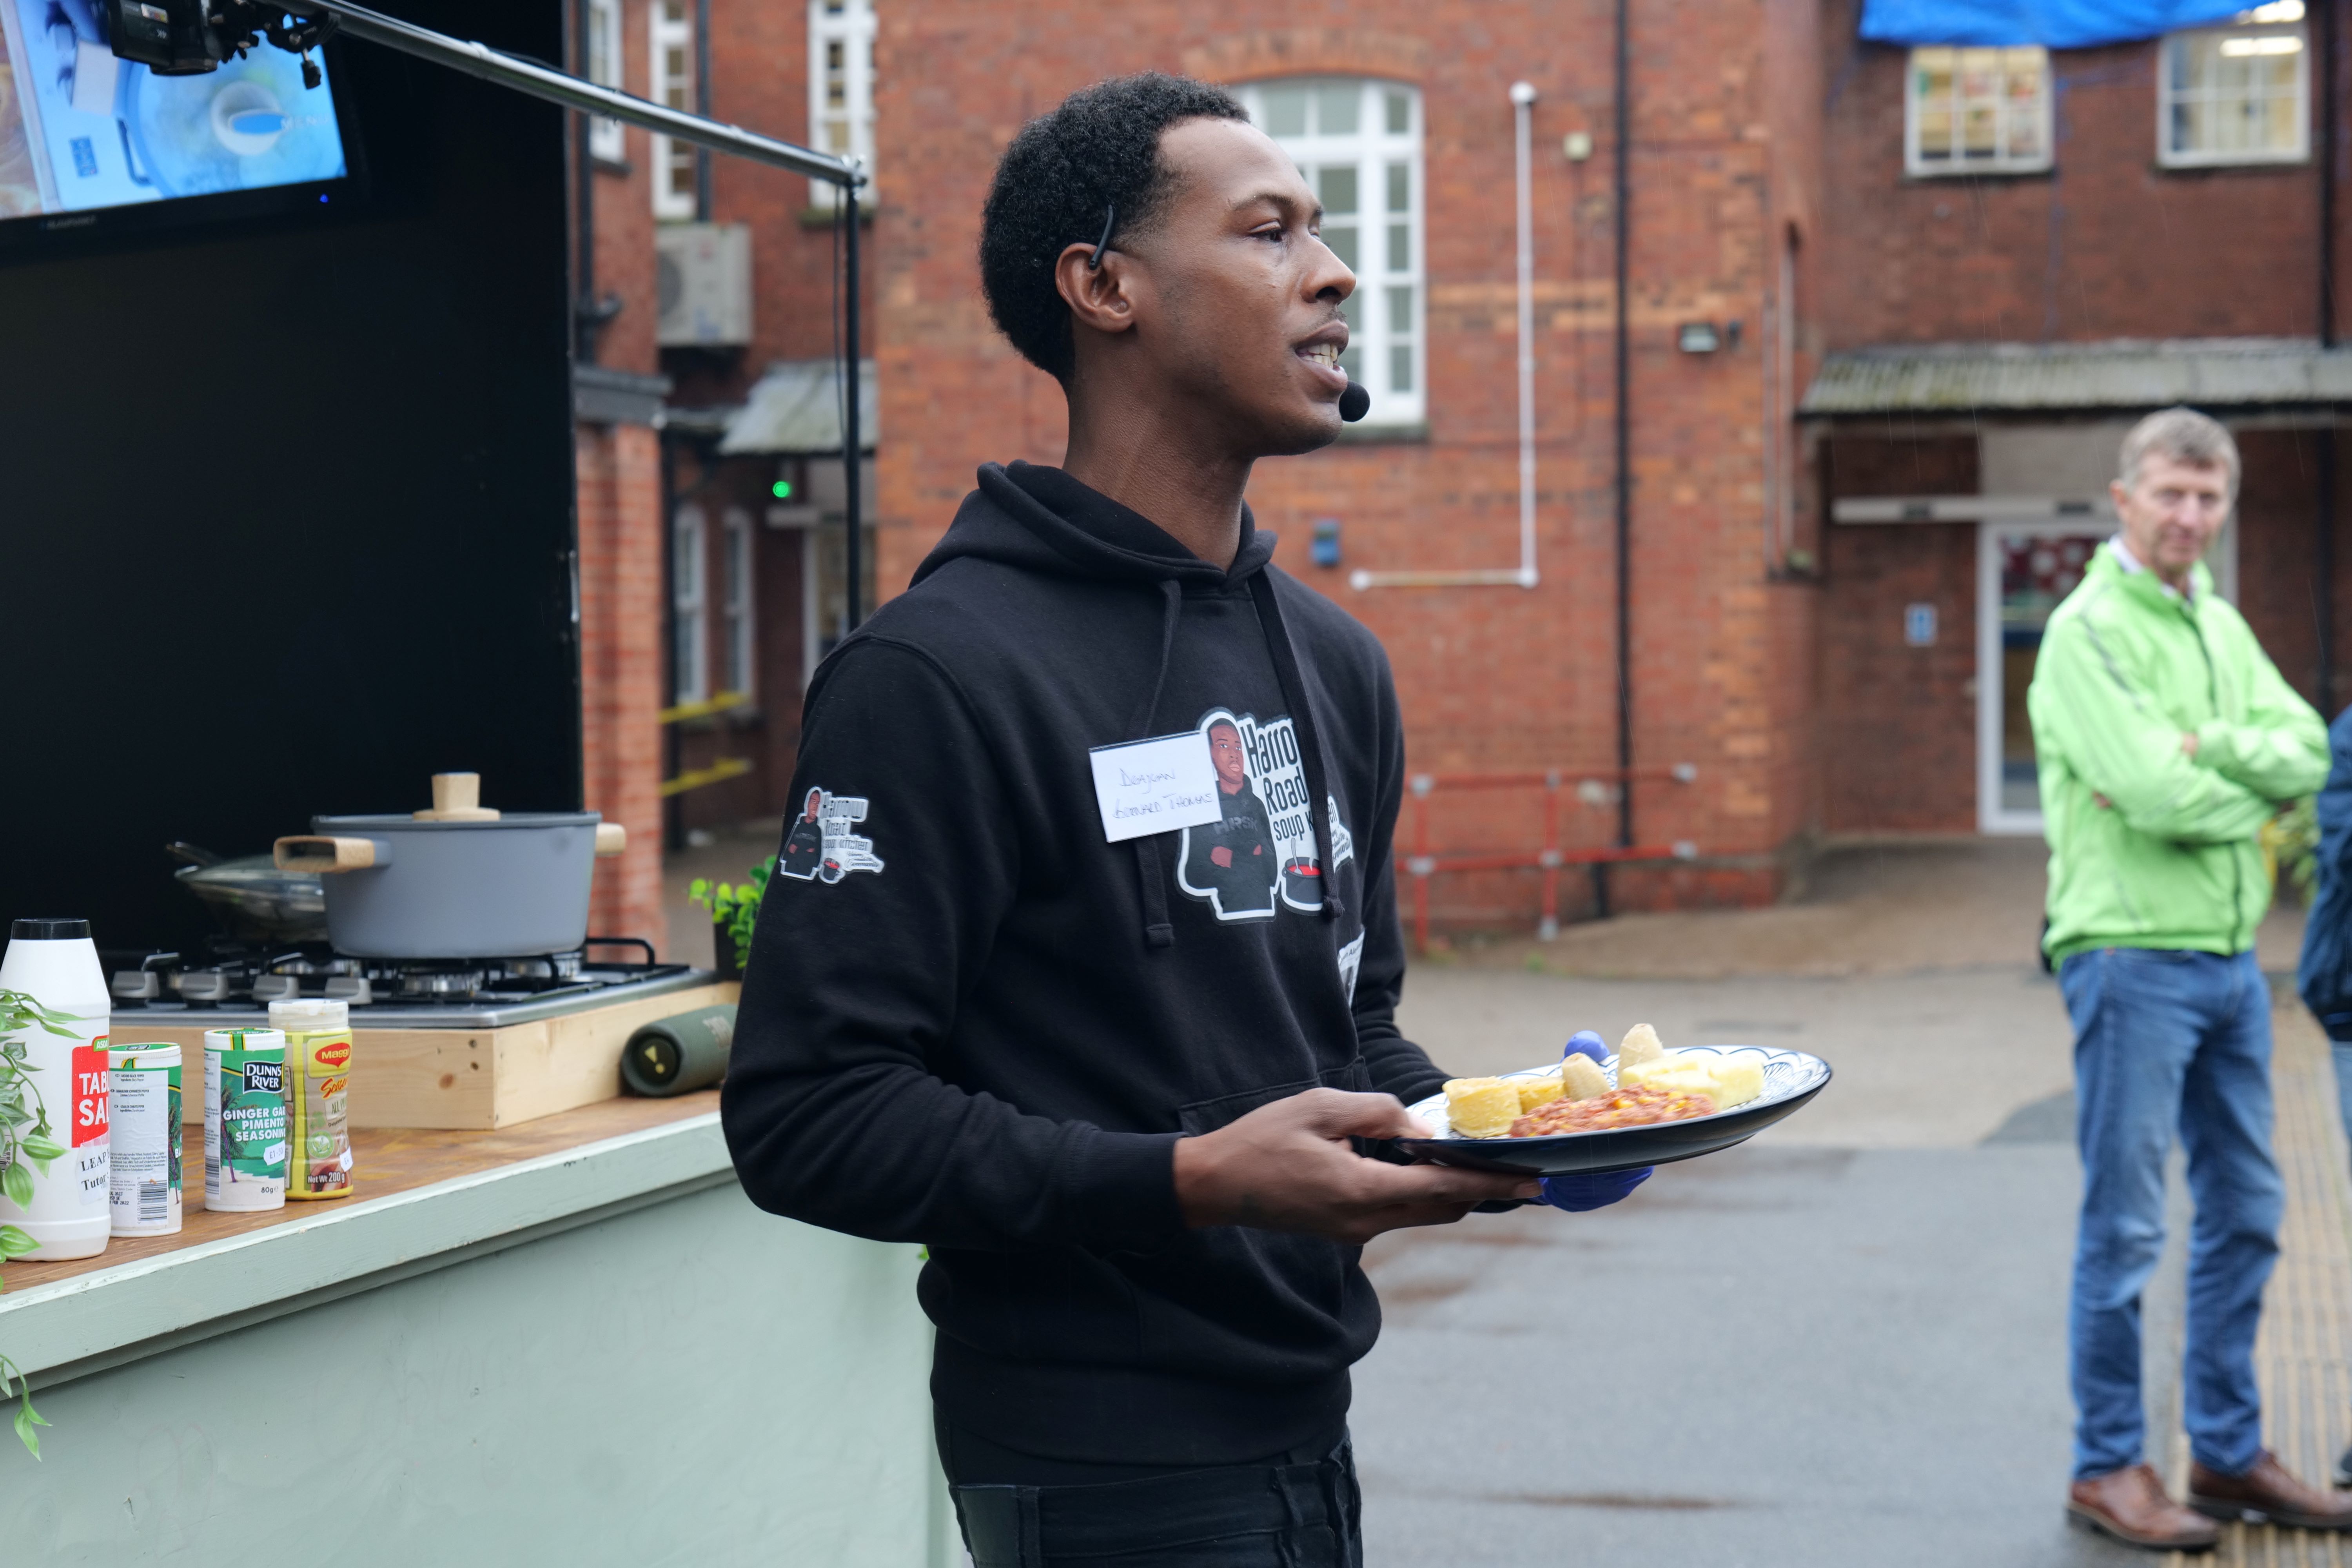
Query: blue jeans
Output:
(2165,1039)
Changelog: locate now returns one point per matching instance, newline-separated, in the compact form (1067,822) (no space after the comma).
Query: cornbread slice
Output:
(1639,1045)
(1738,1081)
(1675,1075)
(1727,1080)
(1535,1092)
(1481,1107)
(1581,1078)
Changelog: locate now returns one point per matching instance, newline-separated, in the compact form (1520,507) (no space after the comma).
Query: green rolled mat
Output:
(678,1054)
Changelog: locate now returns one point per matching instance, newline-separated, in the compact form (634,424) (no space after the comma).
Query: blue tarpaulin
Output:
(2053,24)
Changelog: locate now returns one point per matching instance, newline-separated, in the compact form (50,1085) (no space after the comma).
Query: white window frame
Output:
(850,129)
(1371,148)
(1993,818)
(607,139)
(738,623)
(673,200)
(689,627)
(1920,167)
(2254,24)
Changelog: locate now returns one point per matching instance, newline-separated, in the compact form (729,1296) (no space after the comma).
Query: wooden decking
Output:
(2305,1354)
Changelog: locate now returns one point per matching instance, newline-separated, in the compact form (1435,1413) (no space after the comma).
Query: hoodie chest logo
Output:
(1257,853)
(820,848)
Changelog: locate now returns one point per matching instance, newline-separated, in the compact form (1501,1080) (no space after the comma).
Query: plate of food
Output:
(1646,1105)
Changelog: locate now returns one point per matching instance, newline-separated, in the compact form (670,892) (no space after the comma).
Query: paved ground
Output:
(1842,1343)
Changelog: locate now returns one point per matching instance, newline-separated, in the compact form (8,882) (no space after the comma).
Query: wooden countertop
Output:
(386,1160)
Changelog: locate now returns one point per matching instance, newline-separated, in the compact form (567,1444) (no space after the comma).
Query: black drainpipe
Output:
(673,806)
(2324,514)
(1624,412)
(702,107)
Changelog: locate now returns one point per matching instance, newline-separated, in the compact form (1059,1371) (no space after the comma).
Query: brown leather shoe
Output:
(2268,1492)
(2131,1506)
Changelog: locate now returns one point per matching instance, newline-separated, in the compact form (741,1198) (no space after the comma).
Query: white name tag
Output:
(1156,786)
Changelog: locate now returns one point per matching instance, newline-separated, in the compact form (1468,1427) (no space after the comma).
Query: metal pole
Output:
(555,86)
(853,459)
(1523,100)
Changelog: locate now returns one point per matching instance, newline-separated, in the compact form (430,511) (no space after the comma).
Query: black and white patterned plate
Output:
(1791,1079)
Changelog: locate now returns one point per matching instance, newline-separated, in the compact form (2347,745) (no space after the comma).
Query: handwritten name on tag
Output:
(1156,785)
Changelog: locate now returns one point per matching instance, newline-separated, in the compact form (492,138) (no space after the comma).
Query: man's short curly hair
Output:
(1062,173)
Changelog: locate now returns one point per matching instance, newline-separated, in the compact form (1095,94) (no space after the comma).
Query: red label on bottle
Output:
(89,1103)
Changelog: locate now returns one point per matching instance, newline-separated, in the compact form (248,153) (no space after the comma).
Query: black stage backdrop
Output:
(286,505)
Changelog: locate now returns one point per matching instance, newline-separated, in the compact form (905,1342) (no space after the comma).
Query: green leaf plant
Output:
(26,1139)
(735,905)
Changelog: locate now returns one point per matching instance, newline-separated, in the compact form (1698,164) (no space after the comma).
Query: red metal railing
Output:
(1594,786)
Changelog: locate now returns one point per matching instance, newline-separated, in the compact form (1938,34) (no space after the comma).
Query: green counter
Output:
(602,1356)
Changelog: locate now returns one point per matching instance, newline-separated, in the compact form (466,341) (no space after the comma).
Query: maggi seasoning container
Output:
(54,962)
(144,1088)
(318,1085)
(245,1120)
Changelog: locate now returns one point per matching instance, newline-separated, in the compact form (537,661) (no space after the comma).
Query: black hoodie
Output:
(973,1023)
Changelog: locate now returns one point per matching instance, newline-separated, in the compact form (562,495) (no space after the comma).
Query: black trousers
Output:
(1300,1515)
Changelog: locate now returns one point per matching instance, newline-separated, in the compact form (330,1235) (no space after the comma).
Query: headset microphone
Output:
(1354,403)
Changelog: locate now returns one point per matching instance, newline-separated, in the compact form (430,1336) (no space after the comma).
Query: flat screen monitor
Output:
(90,143)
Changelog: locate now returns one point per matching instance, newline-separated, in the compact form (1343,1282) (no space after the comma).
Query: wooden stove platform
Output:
(459,1079)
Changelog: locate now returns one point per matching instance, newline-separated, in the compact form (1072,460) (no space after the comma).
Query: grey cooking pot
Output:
(458,881)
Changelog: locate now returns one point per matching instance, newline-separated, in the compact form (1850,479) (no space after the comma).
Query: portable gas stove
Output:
(478,1044)
(232,987)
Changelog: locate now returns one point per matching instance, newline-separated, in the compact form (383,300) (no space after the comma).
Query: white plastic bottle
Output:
(55,963)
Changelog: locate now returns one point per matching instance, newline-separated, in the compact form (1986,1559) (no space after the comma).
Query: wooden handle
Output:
(612,839)
(328,852)
(457,797)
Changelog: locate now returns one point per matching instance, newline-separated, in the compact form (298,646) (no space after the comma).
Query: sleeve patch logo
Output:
(820,848)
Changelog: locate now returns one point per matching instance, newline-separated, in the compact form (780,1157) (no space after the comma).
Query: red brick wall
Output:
(759,79)
(1490,677)
(2108,244)
(621,669)
(1899,723)
(2278,515)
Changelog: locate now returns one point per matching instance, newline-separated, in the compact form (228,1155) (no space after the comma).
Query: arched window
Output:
(1358,142)
(740,627)
(689,639)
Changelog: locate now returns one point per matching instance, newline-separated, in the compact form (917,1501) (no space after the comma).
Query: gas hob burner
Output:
(232,984)
(437,983)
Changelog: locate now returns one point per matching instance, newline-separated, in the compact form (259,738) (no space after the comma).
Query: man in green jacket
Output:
(2166,739)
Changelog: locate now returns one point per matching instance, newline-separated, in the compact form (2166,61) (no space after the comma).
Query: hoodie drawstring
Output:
(1159,930)
(1310,740)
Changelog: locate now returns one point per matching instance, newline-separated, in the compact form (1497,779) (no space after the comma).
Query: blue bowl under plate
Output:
(1790,1080)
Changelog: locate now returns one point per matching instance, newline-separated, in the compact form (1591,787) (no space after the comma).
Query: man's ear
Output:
(1100,297)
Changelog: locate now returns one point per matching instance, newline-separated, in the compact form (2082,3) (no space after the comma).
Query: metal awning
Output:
(2122,374)
(795,411)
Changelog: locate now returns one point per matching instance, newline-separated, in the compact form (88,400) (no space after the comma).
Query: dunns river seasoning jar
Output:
(245,1120)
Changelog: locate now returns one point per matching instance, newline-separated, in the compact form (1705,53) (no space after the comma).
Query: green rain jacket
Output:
(2150,847)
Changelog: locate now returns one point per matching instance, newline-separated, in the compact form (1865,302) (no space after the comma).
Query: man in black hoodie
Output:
(1123,1122)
